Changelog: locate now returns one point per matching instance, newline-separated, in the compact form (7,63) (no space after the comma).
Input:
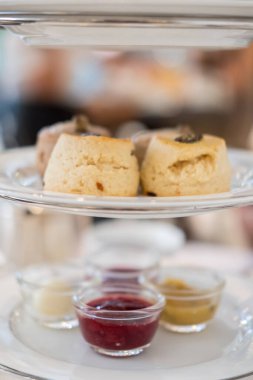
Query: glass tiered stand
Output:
(225,350)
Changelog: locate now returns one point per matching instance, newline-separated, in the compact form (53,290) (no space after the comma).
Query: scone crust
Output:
(48,136)
(92,165)
(172,168)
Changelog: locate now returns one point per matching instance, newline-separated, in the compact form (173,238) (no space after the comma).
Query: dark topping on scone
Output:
(187,135)
(189,138)
(82,124)
(84,128)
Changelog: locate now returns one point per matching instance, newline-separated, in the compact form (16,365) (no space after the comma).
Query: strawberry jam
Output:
(118,322)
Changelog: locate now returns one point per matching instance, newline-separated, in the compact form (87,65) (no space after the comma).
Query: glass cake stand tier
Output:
(130,24)
(223,351)
(21,183)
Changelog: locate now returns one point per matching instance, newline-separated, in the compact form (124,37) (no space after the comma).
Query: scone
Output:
(48,137)
(186,166)
(92,165)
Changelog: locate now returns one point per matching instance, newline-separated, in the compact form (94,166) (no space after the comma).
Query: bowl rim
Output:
(82,308)
(190,294)
(71,286)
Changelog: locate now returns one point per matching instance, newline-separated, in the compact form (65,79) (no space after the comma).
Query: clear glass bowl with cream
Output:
(47,292)
(192,296)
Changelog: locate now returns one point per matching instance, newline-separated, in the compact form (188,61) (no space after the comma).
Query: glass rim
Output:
(118,315)
(125,273)
(110,248)
(36,285)
(190,294)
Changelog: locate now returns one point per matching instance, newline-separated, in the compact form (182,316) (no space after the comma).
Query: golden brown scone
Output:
(174,168)
(92,165)
(48,137)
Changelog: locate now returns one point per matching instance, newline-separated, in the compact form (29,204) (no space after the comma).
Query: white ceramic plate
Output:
(20,182)
(165,238)
(130,23)
(223,351)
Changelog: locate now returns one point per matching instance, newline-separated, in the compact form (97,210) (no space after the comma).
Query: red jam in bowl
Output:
(106,326)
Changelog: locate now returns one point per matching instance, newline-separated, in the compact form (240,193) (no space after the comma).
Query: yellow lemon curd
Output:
(186,305)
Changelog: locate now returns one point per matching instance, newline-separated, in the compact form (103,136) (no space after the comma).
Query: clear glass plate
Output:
(224,350)
(20,182)
(142,23)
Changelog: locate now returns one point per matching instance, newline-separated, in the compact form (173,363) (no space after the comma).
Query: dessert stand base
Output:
(224,349)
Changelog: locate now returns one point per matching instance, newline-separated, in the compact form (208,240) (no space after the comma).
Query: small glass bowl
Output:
(118,320)
(192,296)
(47,292)
(124,262)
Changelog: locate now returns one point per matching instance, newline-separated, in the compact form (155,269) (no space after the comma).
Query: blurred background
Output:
(212,92)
